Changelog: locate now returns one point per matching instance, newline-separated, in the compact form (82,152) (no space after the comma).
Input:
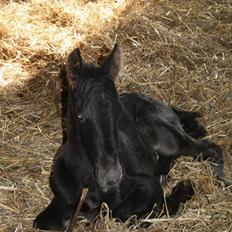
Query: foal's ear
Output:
(111,66)
(73,67)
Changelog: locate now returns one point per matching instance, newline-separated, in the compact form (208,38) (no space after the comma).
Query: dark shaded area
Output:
(63,98)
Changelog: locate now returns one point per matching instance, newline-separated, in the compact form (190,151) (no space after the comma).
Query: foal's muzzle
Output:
(108,176)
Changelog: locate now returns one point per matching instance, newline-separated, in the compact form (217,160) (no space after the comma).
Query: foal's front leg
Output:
(137,195)
(66,189)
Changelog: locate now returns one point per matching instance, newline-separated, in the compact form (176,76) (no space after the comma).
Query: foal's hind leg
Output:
(172,142)
(181,193)
(146,198)
(137,196)
(211,152)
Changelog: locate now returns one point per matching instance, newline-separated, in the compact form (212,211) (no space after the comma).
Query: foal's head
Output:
(95,113)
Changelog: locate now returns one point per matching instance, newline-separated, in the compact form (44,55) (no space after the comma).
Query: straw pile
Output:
(177,51)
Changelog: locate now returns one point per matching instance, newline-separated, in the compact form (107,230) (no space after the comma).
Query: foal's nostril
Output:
(108,179)
(111,182)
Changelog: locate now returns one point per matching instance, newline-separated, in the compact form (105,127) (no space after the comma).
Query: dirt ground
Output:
(174,50)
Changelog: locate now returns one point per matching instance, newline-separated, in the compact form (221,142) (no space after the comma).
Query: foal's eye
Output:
(81,118)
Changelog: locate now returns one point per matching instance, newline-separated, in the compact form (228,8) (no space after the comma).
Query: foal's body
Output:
(119,147)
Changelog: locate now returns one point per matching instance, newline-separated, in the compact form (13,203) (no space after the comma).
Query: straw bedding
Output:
(176,51)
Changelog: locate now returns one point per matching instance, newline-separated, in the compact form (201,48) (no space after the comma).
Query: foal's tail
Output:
(190,123)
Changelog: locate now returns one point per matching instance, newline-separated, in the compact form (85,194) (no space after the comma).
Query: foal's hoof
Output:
(47,222)
(185,190)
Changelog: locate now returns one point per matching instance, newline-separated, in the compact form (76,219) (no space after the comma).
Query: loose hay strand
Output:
(78,209)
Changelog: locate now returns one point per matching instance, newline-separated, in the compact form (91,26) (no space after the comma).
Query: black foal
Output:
(119,147)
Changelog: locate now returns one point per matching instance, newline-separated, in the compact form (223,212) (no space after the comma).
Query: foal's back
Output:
(145,110)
